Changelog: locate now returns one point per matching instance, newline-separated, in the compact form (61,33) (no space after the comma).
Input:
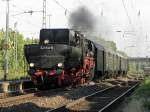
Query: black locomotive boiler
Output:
(67,57)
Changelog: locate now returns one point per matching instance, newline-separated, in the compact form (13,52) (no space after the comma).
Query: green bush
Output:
(143,92)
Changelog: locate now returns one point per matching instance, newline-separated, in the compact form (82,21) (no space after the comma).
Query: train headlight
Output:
(31,64)
(60,65)
(46,41)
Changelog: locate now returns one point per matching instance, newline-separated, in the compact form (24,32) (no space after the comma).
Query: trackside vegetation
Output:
(143,93)
(20,69)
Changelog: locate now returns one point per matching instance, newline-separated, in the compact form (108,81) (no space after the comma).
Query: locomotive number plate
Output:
(47,47)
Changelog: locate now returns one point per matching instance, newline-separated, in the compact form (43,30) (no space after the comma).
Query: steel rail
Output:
(64,107)
(106,108)
(17,93)
(16,98)
(26,96)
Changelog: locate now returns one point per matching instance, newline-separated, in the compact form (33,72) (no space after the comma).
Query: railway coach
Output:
(109,63)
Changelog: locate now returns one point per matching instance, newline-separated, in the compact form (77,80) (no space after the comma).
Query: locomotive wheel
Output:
(46,86)
(41,87)
(67,81)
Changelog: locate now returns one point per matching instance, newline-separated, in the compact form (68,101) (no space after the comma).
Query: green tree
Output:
(21,41)
(107,44)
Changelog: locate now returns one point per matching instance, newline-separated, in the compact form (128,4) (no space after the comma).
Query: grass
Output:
(143,92)
(140,100)
(137,74)
(14,76)
(144,89)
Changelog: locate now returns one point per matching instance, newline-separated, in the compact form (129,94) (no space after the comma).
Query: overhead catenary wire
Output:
(137,14)
(13,5)
(28,22)
(14,16)
(127,14)
(25,12)
(65,9)
(83,3)
(139,23)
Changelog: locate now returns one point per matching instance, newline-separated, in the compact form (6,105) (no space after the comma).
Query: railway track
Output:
(28,94)
(45,100)
(101,101)
(50,100)
(17,93)
(7,99)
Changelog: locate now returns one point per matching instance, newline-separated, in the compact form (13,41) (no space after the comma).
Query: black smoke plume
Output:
(82,19)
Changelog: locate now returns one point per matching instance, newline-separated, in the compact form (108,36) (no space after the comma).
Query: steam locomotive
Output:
(66,57)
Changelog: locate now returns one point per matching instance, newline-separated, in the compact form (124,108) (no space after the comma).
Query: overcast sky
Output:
(131,18)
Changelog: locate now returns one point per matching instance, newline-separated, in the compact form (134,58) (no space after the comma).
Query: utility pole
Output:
(15,49)
(6,42)
(49,17)
(44,14)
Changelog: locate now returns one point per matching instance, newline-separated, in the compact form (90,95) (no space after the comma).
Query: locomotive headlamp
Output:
(60,64)
(46,41)
(31,64)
